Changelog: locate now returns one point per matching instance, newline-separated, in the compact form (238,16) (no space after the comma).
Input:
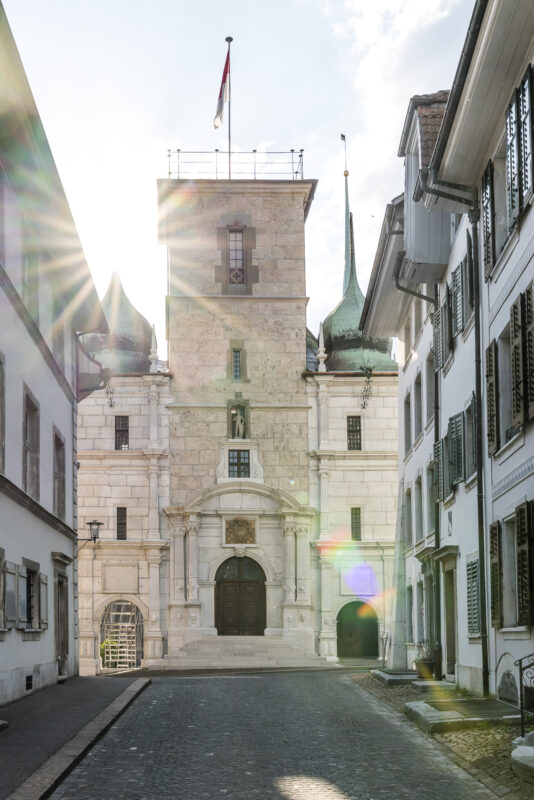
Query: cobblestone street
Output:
(290,736)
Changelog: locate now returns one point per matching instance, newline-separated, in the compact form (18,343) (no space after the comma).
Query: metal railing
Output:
(251,165)
(526,679)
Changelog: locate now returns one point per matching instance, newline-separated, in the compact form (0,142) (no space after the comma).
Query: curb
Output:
(47,777)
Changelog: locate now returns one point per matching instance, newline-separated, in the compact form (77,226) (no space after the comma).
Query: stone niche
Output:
(508,689)
(123,577)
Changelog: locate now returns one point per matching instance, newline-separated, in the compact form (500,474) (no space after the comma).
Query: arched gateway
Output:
(240,598)
(357,631)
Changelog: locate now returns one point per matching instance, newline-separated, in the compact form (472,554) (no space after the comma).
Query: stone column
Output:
(328,635)
(322,399)
(303,565)
(192,558)
(289,560)
(153,415)
(153,498)
(323,488)
(177,621)
(153,636)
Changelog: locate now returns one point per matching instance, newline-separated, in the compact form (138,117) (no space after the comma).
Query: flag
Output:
(342,137)
(223,94)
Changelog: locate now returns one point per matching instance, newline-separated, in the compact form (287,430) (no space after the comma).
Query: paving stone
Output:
(271,736)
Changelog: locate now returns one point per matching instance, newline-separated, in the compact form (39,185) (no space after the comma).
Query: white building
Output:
(277,500)
(47,298)
(475,146)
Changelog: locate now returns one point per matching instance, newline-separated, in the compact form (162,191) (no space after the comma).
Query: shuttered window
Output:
(455,449)
(516,362)
(495,574)
(438,349)
(492,398)
(469,288)
(473,599)
(524,100)
(438,470)
(488,220)
(458,300)
(529,351)
(512,162)
(523,531)
(470,438)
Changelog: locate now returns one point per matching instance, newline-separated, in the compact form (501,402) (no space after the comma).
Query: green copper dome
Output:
(347,348)
(126,348)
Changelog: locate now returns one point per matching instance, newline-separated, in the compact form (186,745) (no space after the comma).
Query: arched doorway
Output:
(357,631)
(121,636)
(240,598)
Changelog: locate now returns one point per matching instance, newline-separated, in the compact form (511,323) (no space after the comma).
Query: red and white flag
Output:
(223,94)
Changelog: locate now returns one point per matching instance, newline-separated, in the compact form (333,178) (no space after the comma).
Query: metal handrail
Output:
(526,678)
(253,164)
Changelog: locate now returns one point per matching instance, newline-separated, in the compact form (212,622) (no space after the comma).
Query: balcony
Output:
(237,165)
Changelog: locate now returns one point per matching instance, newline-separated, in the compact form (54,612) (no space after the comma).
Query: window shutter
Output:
(447,341)
(516,362)
(473,599)
(10,590)
(455,440)
(43,601)
(529,351)
(469,288)
(473,443)
(488,220)
(524,570)
(438,469)
(457,300)
(438,350)
(22,605)
(512,162)
(525,137)
(492,398)
(495,574)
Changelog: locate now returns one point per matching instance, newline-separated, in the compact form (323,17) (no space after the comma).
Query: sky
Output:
(118,82)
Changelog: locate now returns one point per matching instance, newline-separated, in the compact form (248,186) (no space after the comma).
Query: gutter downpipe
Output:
(474,217)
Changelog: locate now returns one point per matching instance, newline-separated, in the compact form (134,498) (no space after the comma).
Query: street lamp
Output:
(94,532)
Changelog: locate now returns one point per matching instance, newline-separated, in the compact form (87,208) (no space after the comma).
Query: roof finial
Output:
(321,352)
(153,357)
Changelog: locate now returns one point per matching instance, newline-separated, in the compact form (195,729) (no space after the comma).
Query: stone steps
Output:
(235,652)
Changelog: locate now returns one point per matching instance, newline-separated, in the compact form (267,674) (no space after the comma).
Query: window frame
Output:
(59,473)
(240,463)
(122,433)
(355,524)
(354,436)
(31,433)
(121,525)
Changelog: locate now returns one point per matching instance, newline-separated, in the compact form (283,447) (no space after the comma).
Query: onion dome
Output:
(348,349)
(126,349)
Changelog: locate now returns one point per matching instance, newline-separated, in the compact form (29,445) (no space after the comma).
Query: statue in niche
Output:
(238,422)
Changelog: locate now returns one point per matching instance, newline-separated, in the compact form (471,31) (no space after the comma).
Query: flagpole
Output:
(229,40)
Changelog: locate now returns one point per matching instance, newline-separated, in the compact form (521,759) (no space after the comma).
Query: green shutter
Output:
(43,601)
(22,605)
(492,398)
(512,162)
(488,221)
(523,532)
(448,343)
(529,351)
(473,443)
(495,574)
(469,276)
(516,362)
(524,95)
(438,349)
(457,300)
(438,470)
(473,599)
(455,448)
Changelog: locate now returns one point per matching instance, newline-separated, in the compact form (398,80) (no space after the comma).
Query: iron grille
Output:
(236,364)
(122,434)
(356,524)
(121,522)
(354,433)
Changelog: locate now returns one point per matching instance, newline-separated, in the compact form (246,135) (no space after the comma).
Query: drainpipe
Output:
(438,650)
(406,289)
(474,216)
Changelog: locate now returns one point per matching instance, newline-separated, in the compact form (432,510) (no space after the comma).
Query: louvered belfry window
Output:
(523,531)
(492,398)
(473,599)
(495,574)
(488,220)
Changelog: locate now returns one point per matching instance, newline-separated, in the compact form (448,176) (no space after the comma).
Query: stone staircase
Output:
(240,652)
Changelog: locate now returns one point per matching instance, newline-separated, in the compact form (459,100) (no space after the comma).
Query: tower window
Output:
(121,522)
(354,433)
(122,433)
(356,524)
(236,365)
(236,260)
(239,464)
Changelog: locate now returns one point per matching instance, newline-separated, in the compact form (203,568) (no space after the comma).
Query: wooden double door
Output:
(240,598)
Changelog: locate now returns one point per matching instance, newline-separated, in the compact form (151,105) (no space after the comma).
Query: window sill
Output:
(471,482)
(507,250)
(417,339)
(474,638)
(31,634)
(468,327)
(448,364)
(449,500)
(417,441)
(3,632)
(407,455)
(511,447)
(429,423)
(517,632)
(408,361)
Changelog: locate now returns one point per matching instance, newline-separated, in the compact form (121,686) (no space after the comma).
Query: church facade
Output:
(274,454)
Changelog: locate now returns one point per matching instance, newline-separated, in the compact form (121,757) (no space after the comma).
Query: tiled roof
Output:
(430,110)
